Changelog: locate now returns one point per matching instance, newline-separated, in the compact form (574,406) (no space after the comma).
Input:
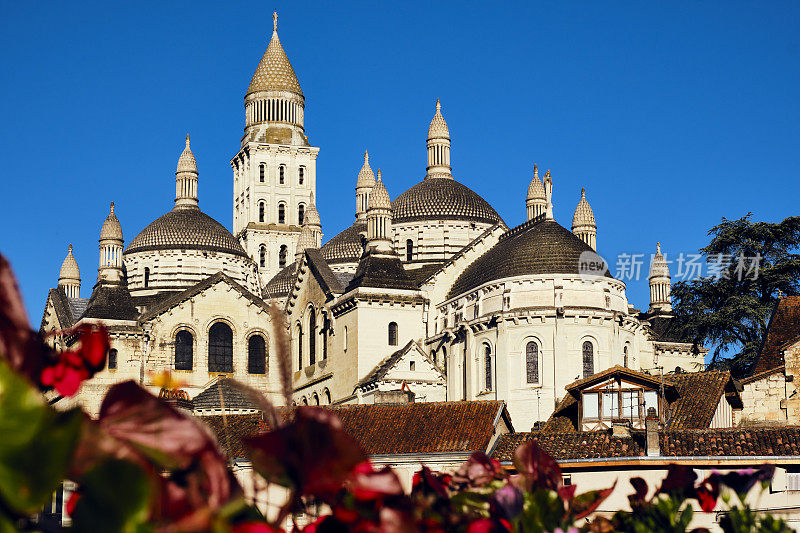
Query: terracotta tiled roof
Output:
(742,442)
(700,393)
(232,429)
(783,327)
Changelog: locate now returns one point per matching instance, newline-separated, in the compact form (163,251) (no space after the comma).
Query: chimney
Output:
(394,396)
(651,445)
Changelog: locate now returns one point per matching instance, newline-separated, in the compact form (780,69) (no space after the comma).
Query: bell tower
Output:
(275,170)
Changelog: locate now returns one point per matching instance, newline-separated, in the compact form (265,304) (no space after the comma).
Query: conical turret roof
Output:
(438,127)
(311,216)
(536,188)
(186,161)
(306,240)
(69,268)
(379,196)
(274,72)
(659,266)
(584,216)
(366,178)
(111,229)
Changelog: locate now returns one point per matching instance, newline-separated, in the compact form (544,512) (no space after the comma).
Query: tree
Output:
(753,264)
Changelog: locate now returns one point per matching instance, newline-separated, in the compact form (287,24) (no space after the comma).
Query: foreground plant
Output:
(144,466)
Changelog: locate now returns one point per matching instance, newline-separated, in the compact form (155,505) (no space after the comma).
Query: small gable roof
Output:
(381,369)
(111,302)
(380,271)
(784,326)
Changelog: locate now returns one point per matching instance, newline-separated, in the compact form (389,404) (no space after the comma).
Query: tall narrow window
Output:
(262,256)
(532,362)
(256,355)
(301,175)
(324,332)
(487,353)
(281,213)
(282,256)
(262,172)
(184,350)
(392,333)
(327,395)
(299,346)
(281,174)
(146,277)
(261,209)
(312,337)
(344,339)
(220,348)
(112,359)
(409,250)
(625,356)
(588,359)
(301,212)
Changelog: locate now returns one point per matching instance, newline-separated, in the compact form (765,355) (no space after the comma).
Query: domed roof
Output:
(69,268)
(280,284)
(379,196)
(537,247)
(584,216)
(186,162)
(274,72)
(347,246)
(438,127)
(366,178)
(186,229)
(111,229)
(536,188)
(659,266)
(442,198)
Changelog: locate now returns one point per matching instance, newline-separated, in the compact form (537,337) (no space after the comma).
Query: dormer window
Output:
(620,401)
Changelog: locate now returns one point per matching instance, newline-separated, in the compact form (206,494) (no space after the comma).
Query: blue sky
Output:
(671,114)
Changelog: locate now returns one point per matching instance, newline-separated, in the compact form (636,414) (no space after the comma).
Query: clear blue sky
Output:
(671,114)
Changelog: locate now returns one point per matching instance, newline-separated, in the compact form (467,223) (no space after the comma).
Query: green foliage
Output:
(36,446)
(664,515)
(115,496)
(732,312)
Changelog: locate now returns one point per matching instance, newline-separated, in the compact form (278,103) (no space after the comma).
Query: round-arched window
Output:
(588,358)
(220,348)
(487,354)
(532,362)
(256,355)
(184,350)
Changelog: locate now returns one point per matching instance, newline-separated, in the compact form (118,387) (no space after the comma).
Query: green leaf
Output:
(37,444)
(115,496)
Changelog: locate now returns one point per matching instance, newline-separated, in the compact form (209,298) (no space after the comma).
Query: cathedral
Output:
(429,296)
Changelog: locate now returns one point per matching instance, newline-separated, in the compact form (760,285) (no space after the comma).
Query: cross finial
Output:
(583,192)
(535,170)
(112,208)
(70,249)
(187,140)
(274,21)
(438,105)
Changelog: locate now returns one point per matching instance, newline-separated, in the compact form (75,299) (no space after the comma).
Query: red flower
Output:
(73,500)
(76,366)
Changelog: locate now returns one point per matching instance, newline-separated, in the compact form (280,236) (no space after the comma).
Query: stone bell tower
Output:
(275,171)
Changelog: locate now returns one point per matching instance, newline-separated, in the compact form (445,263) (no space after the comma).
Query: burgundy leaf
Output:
(537,467)
(368,484)
(640,486)
(708,492)
(585,504)
(679,481)
(509,499)
(741,481)
(567,492)
(477,471)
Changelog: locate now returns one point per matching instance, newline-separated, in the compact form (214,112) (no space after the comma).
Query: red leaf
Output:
(567,493)
(537,468)
(65,378)
(679,481)
(259,527)
(640,486)
(368,484)
(477,471)
(585,504)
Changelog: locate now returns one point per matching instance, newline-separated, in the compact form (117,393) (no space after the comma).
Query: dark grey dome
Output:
(442,198)
(186,229)
(347,246)
(281,283)
(533,248)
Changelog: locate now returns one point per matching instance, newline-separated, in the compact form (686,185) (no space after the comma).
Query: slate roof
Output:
(347,246)
(743,442)
(281,283)
(186,229)
(442,199)
(221,392)
(382,272)
(536,247)
(321,270)
(60,306)
(691,406)
(784,326)
(111,302)
(77,306)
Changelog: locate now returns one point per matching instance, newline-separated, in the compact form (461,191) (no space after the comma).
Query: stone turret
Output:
(111,241)
(583,223)
(70,277)
(660,283)
(379,219)
(364,184)
(438,146)
(186,180)
(536,201)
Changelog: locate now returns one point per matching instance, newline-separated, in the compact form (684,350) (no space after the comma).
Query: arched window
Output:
(305,401)
(325,326)
(256,355)
(444,360)
(344,338)
(315,399)
(112,359)
(532,362)
(299,346)
(312,337)
(392,333)
(625,356)
(220,348)
(301,175)
(588,359)
(409,250)
(261,209)
(262,172)
(301,211)
(282,174)
(262,256)
(487,354)
(326,394)
(282,256)
(184,350)
(146,277)
(281,213)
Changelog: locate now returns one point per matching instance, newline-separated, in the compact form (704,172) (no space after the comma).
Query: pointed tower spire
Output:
(70,276)
(186,179)
(660,283)
(438,146)
(536,201)
(379,219)
(313,220)
(583,223)
(364,184)
(111,241)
